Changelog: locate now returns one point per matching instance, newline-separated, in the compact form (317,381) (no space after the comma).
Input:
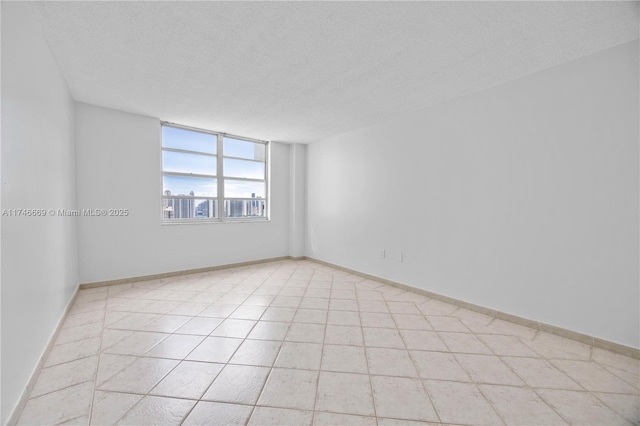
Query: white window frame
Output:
(219,176)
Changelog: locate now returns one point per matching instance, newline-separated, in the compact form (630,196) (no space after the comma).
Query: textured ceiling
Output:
(299,72)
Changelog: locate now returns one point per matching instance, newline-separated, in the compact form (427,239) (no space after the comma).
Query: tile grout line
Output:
(324,339)
(255,405)
(422,384)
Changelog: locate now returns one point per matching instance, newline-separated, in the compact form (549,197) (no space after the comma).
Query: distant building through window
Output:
(201,168)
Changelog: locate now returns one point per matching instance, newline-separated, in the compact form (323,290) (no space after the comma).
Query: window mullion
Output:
(220,172)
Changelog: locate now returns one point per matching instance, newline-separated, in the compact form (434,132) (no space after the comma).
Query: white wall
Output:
(118,166)
(521,198)
(39,256)
(297,198)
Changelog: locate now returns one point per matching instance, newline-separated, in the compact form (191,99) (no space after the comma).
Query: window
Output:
(209,176)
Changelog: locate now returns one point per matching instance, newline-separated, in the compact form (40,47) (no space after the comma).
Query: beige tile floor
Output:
(295,342)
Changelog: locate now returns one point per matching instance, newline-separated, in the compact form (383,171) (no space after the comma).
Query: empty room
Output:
(320,213)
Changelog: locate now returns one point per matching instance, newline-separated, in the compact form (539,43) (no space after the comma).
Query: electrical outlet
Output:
(382,254)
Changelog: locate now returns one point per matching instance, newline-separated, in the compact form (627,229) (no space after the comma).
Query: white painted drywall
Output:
(297,191)
(118,166)
(39,255)
(521,198)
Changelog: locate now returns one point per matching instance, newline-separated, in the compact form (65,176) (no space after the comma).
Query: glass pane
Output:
(243,169)
(243,149)
(181,185)
(245,208)
(189,208)
(174,137)
(243,189)
(188,163)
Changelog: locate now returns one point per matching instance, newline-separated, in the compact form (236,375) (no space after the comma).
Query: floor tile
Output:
(369,295)
(449,397)
(395,422)
(280,417)
(314,303)
(520,406)
(477,317)
(348,359)
(372,306)
(411,322)
(631,377)
(57,407)
(540,373)
(343,335)
(140,376)
(248,312)
(488,369)
(318,292)
(402,308)
(555,347)
(390,362)
(344,393)
(215,349)
(618,361)
(423,340)
(109,365)
(301,332)
(279,314)
(343,305)
(337,293)
(134,321)
(74,320)
(627,406)
(438,366)
(464,343)
(72,334)
(188,380)
(294,336)
(593,377)
(111,337)
(137,343)
(287,388)
(503,327)
(402,398)
(286,301)
(63,375)
(443,323)
(304,356)
(436,307)
(343,318)
(167,323)
(382,338)
(315,316)
(218,310)
(176,346)
(267,330)
(581,407)
(258,300)
(237,384)
(256,352)
(507,345)
(332,419)
(201,326)
(239,328)
(73,351)
(112,317)
(377,319)
(155,410)
(189,308)
(109,407)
